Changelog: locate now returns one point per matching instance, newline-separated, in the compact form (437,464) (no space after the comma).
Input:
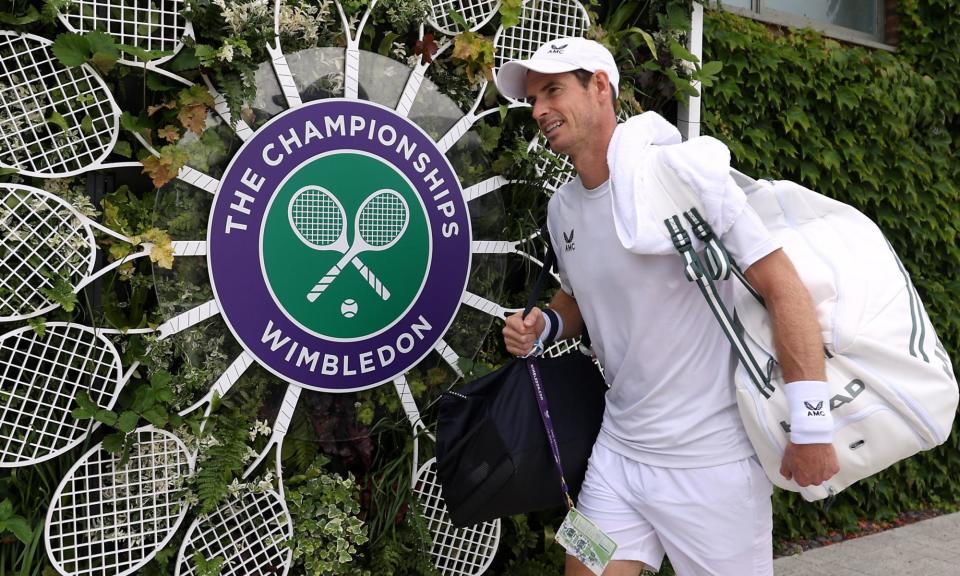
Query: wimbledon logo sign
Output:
(339,245)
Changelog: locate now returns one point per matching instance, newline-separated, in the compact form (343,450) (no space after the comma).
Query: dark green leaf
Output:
(156,416)
(123,148)
(113,443)
(127,422)
(21,529)
(71,49)
(108,417)
(58,120)
(459,19)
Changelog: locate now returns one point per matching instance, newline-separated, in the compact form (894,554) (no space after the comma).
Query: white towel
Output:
(647,145)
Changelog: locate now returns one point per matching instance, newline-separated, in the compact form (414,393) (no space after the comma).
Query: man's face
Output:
(566,111)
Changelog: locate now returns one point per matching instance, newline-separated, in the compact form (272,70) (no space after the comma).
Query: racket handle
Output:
(411,90)
(282,70)
(485,187)
(482,304)
(372,280)
(220,106)
(351,72)
(280,426)
(185,320)
(324,283)
(407,402)
(198,179)
(287,408)
(449,356)
(189,248)
(456,133)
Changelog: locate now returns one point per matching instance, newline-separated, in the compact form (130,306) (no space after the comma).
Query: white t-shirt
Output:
(669,365)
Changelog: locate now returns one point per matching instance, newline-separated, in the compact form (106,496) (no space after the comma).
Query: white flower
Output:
(226,53)
(259,427)
(234,487)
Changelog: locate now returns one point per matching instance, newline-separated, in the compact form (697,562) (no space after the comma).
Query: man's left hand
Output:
(809,464)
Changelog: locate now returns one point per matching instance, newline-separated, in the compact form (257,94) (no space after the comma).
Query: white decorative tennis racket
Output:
(57,121)
(319,221)
(157,25)
(279,62)
(46,238)
(108,519)
(40,377)
(455,551)
(475,12)
(351,68)
(250,531)
(540,22)
(380,222)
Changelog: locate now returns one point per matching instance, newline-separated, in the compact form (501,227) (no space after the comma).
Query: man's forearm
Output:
(796,331)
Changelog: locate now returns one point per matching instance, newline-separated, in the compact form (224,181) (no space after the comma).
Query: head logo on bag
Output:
(339,245)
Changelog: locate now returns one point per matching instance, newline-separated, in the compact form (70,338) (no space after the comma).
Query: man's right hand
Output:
(520,333)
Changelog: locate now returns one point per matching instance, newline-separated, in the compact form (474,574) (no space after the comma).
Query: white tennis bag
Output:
(893,388)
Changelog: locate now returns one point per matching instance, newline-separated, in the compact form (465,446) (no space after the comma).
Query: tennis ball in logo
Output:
(349,308)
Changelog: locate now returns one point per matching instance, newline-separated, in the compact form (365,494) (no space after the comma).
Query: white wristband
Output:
(547,335)
(810,418)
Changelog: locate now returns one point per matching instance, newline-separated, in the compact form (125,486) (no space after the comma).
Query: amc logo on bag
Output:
(339,245)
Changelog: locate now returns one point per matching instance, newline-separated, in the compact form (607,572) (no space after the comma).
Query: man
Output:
(672,470)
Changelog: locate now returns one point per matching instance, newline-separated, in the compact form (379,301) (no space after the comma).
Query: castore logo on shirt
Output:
(568,239)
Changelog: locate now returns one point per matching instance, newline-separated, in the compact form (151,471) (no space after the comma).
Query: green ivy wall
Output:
(880,131)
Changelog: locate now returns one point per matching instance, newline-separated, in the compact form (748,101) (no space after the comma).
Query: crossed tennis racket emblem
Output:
(319,220)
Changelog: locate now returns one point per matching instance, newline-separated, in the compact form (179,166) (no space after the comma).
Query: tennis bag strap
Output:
(533,367)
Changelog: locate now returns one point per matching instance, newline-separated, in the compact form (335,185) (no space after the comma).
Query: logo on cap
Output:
(554,49)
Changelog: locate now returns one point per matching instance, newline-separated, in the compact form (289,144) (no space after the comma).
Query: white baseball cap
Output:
(554,57)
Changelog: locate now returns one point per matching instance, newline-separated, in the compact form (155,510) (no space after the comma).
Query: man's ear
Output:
(603,84)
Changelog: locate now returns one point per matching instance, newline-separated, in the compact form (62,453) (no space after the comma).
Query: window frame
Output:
(757,11)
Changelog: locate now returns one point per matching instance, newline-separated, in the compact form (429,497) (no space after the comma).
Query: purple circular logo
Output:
(339,245)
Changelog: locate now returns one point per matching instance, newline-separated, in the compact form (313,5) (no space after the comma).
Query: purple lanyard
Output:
(533,367)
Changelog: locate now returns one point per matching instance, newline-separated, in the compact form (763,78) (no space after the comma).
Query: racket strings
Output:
(150,25)
(39,379)
(475,12)
(248,532)
(109,518)
(42,239)
(317,217)
(382,220)
(455,551)
(540,22)
(38,98)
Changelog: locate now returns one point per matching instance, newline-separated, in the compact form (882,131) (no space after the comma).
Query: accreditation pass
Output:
(584,540)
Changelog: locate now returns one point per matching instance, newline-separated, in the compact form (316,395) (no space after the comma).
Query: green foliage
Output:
(327,529)
(151,401)
(61,293)
(211,567)
(11,522)
(875,130)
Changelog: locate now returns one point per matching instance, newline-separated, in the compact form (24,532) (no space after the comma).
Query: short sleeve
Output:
(551,225)
(748,240)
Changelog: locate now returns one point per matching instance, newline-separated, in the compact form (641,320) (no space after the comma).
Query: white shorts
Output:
(715,521)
